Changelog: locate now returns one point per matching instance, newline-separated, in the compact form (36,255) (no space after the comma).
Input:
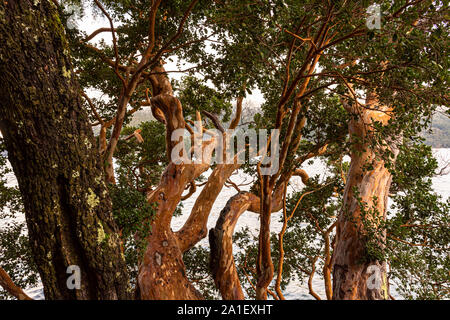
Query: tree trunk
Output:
(222,263)
(52,151)
(357,273)
(264,266)
(162,273)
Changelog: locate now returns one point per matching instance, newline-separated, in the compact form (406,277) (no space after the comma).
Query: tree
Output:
(51,149)
(314,64)
(376,131)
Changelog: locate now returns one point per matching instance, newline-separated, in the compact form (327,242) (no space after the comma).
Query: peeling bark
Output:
(222,263)
(195,228)
(351,263)
(162,273)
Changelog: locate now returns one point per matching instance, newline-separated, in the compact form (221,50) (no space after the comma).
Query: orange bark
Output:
(350,259)
(162,273)
(222,263)
(10,286)
(195,228)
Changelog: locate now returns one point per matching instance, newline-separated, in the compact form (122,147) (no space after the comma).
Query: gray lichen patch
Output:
(158,258)
(101,235)
(92,199)
(87,143)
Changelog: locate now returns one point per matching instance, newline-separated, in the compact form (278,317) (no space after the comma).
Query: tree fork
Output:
(222,263)
(162,273)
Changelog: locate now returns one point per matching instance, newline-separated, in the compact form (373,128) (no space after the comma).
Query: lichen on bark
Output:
(40,118)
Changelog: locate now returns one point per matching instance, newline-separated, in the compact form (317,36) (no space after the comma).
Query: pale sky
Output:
(90,23)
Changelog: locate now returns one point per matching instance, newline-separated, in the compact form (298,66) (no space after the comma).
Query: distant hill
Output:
(440,135)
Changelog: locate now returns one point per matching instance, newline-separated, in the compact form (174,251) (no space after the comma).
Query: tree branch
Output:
(8,285)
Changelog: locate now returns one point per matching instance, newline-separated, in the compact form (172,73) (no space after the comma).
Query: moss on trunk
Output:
(52,151)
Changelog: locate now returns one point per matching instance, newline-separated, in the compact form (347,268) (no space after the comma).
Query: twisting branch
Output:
(8,285)
(214,120)
(94,111)
(311,276)
(222,263)
(195,228)
(95,33)
(234,185)
(302,174)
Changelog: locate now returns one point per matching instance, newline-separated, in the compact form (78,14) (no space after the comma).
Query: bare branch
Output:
(214,120)
(8,285)
(94,111)
(95,33)
(311,276)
